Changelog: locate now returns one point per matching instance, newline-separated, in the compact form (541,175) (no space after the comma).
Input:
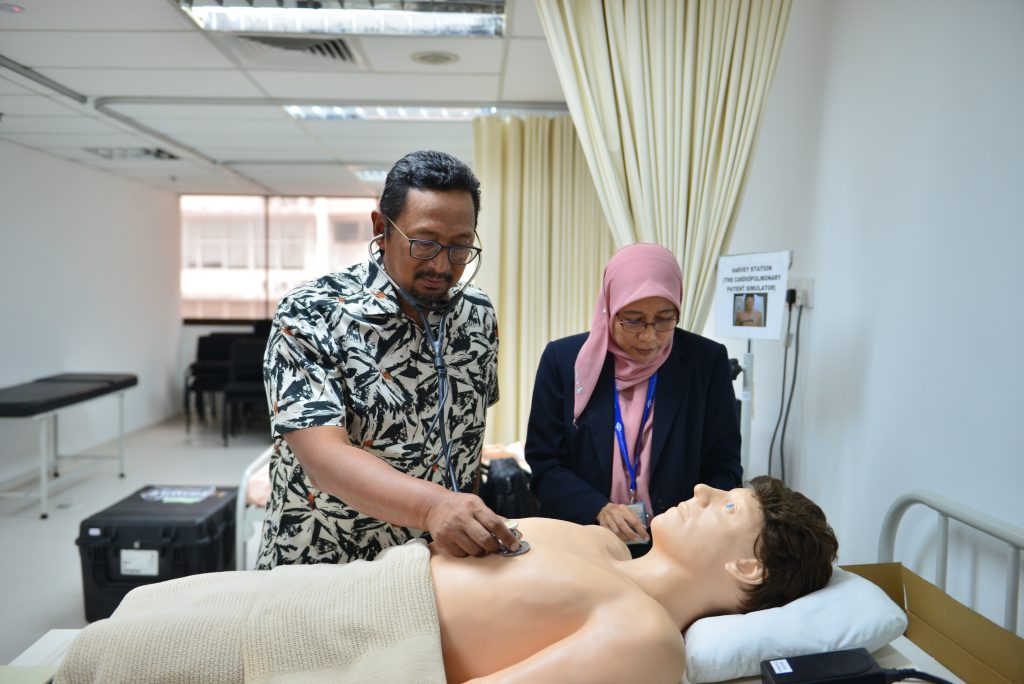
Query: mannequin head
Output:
(754,547)
(796,546)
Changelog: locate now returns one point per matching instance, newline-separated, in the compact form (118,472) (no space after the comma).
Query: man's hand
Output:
(462,525)
(620,519)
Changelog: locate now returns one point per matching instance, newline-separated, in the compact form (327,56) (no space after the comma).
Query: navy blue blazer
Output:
(695,438)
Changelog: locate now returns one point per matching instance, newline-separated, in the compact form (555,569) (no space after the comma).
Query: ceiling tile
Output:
(45,140)
(34,105)
(96,15)
(385,129)
(377,87)
(255,153)
(394,54)
(205,128)
(213,110)
(388,151)
(266,142)
(112,49)
(52,124)
(133,49)
(8,87)
(213,185)
(524,20)
(154,82)
(530,74)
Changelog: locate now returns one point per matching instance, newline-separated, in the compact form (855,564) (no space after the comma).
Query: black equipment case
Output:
(158,533)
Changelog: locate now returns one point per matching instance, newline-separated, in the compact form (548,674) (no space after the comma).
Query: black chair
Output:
(245,382)
(261,328)
(206,377)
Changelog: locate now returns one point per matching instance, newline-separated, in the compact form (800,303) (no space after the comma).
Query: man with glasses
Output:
(378,377)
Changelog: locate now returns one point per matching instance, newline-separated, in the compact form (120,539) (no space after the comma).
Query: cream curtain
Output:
(667,97)
(545,243)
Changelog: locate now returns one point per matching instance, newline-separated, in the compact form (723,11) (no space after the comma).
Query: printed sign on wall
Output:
(751,295)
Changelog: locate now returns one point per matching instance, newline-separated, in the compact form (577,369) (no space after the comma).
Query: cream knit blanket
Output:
(359,622)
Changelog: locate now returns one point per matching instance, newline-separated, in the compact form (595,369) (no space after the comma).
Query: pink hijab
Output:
(634,272)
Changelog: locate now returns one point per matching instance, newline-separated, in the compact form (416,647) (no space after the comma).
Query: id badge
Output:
(641,512)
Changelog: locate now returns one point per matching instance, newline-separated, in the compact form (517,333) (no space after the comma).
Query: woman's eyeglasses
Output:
(425,250)
(636,327)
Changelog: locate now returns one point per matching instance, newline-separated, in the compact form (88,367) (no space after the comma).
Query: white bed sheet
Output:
(49,650)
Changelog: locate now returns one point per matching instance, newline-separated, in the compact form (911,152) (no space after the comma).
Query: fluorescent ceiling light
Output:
(372,175)
(385,113)
(481,18)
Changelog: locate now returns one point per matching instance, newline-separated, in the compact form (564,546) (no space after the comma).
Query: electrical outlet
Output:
(804,291)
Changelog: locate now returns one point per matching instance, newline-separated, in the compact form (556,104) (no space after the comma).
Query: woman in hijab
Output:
(628,418)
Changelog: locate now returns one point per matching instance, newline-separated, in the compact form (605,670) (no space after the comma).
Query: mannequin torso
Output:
(562,612)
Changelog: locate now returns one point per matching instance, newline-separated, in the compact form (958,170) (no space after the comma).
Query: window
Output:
(240,255)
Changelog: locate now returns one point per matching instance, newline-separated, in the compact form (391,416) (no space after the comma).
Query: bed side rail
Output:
(242,529)
(946,509)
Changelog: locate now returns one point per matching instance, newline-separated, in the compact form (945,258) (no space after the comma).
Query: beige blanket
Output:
(360,622)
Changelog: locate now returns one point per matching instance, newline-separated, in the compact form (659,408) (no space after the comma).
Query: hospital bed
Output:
(942,637)
(40,401)
(250,505)
(917,646)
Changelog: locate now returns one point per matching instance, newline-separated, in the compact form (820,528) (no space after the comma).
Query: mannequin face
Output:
(710,530)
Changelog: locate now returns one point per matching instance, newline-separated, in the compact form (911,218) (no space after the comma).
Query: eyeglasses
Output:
(636,327)
(425,250)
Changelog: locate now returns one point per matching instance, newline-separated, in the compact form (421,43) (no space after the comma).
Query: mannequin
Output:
(574,608)
(577,608)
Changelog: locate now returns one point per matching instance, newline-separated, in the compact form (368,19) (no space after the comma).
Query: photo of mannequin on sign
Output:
(750,309)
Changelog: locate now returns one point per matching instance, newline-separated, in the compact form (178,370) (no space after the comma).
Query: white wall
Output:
(89,268)
(890,161)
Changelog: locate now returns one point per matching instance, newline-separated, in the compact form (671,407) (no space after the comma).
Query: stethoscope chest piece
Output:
(523,546)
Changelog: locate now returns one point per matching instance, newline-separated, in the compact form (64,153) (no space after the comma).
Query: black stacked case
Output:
(158,533)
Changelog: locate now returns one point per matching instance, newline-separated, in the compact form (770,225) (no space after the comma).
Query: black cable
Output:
(792,391)
(908,673)
(782,398)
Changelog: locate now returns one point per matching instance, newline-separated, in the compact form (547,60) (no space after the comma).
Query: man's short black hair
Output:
(427,170)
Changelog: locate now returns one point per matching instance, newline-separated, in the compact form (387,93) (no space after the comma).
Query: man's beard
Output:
(431,296)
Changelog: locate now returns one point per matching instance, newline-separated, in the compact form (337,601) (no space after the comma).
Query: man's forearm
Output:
(363,481)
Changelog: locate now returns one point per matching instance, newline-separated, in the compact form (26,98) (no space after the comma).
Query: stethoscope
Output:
(440,367)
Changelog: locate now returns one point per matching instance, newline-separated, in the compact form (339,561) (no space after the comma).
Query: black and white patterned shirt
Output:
(341,352)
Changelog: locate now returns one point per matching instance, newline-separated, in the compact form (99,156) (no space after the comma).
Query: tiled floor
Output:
(40,576)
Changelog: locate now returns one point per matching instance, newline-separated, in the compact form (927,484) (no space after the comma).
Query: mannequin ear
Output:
(746,570)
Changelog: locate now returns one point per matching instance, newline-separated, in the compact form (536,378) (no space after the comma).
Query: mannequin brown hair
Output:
(797,546)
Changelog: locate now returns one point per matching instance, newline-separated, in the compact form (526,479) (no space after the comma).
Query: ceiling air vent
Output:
(120,153)
(331,48)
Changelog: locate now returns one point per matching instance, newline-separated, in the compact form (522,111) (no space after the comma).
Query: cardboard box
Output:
(974,648)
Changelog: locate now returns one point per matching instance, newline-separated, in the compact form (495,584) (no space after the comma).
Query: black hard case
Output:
(188,538)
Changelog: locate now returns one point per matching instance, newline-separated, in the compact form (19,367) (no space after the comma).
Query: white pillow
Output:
(849,612)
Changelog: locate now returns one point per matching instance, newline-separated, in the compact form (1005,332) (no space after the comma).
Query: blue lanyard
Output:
(620,434)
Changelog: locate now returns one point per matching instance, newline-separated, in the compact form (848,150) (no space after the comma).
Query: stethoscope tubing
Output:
(436,346)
